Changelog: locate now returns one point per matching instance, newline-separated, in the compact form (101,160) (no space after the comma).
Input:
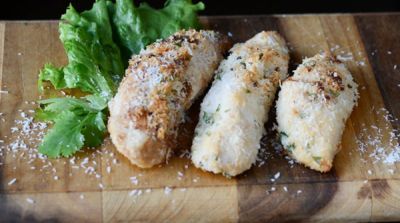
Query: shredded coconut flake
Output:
(134,180)
(11,182)
(167,190)
(277,175)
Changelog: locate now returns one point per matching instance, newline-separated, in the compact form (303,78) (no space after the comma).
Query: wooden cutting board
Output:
(100,185)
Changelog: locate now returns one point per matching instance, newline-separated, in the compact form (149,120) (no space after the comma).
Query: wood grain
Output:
(357,189)
(383,56)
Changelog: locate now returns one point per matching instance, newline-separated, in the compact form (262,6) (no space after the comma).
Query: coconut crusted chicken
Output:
(160,85)
(233,113)
(312,110)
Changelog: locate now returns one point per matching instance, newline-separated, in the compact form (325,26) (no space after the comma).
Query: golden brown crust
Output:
(158,114)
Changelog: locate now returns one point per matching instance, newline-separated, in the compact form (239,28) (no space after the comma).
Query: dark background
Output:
(52,9)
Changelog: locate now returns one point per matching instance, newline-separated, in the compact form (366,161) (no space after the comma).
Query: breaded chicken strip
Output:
(312,110)
(161,83)
(235,109)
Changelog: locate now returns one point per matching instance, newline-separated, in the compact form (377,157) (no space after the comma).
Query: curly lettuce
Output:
(151,24)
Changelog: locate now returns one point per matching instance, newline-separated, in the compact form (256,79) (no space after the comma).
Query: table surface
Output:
(101,185)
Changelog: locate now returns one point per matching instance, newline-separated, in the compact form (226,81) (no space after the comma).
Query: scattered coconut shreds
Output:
(185,154)
(167,190)
(30,200)
(180,175)
(135,192)
(134,180)
(11,182)
(375,145)
(345,58)
(361,63)
(277,175)
(101,186)
(285,189)
(82,196)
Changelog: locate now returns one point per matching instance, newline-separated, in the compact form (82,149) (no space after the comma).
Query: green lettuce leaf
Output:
(94,60)
(136,27)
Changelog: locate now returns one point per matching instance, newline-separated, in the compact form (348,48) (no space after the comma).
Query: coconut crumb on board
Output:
(135,192)
(30,200)
(375,144)
(134,180)
(167,190)
(11,182)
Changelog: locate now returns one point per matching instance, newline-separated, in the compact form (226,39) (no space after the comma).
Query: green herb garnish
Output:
(317,159)
(290,147)
(208,118)
(282,135)
(218,76)
(333,93)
